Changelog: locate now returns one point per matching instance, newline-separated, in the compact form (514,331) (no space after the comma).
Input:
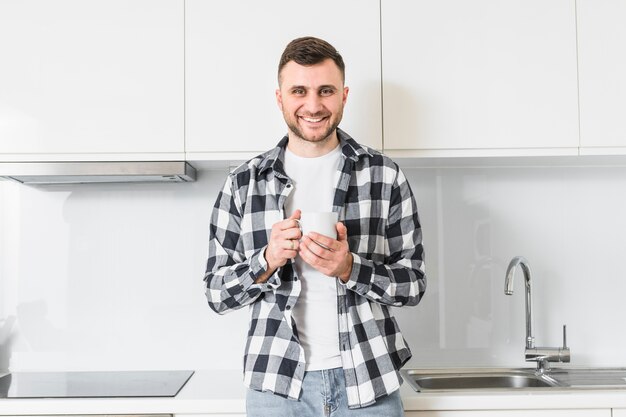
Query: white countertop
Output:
(205,392)
(212,392)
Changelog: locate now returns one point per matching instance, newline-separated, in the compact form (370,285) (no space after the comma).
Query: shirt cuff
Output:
(361,275)
(258,266)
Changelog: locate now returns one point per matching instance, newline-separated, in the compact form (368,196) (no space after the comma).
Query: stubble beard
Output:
(321,139)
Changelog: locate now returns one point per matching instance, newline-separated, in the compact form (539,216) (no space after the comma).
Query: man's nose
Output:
(313,103)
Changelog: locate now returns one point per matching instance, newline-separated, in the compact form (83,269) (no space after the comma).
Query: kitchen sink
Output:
(467,379)
(599,378)
(475,379)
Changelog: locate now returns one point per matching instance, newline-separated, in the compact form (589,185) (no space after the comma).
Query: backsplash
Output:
(97,277)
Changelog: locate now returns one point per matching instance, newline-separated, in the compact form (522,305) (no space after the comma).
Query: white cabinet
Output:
(232,54)
(619,412)
(602,68)
(513,413)
(91,80)
(481,77)
(208,415)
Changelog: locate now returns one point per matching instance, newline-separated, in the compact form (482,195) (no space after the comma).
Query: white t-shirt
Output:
(315,313)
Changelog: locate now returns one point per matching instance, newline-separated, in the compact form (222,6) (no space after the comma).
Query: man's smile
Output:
(310,119)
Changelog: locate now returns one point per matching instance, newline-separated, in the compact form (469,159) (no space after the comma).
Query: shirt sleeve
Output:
(400,279)
(230,276)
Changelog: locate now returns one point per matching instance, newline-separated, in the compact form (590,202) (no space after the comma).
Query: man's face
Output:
(312,99)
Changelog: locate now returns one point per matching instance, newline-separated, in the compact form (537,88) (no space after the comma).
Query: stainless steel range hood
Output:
(49,173)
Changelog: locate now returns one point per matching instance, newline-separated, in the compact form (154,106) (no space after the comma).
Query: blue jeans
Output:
(323,395)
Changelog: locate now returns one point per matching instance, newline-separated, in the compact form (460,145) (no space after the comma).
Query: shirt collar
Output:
(274,158)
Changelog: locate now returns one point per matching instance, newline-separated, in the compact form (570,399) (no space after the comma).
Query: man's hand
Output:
(333,260)
(283,245)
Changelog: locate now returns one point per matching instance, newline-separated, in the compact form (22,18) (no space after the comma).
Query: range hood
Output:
(50,173)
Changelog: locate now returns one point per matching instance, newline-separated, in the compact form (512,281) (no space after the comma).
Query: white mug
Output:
(323,223)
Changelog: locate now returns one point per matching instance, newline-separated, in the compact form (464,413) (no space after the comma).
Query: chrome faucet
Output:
(542,355)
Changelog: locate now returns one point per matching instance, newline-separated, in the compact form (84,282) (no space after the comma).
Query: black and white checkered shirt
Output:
(375,202)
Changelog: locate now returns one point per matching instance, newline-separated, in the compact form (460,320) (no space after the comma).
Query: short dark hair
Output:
(310,51)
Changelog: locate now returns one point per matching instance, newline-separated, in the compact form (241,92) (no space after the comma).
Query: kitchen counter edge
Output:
(222,391)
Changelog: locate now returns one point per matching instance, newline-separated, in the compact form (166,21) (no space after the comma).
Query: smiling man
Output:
(322,340)
(312,99)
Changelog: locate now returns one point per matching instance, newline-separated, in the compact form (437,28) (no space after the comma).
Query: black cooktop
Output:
(93,384)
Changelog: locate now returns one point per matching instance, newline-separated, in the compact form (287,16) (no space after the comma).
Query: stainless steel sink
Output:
(591,378)
(475,379)
(424,380)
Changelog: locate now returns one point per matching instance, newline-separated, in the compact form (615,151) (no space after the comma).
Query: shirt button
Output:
(288,308)
(288,185)
(295,278)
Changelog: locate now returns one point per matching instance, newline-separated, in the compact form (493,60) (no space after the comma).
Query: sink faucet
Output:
(542,355)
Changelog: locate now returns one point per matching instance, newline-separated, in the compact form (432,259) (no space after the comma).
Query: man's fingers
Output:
(324,241)
(288,224)
(296,214)
(342,231)
(317,249)
(292,245)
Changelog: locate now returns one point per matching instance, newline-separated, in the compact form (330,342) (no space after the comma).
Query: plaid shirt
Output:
(375,202)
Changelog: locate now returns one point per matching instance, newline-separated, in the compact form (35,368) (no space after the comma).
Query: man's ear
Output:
(279,99)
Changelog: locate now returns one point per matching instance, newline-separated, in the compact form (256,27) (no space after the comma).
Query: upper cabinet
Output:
(602,68)
(482,77)
(231,60)
(196,79)
(89,80)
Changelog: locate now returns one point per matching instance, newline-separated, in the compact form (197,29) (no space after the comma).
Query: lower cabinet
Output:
(517,413)
(210,415)
(606,412)
(481,413)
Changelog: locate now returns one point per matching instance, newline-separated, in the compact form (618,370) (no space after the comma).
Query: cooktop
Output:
(93,384)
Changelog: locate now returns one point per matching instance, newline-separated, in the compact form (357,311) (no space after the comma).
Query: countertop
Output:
(215,392)
(206,392)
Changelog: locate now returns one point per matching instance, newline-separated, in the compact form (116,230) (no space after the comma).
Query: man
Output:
(319,316)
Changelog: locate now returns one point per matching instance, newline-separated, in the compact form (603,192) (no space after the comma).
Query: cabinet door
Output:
(512,413)
(208,415)
(232,54)
(479,75)
(91,80)
(602,66)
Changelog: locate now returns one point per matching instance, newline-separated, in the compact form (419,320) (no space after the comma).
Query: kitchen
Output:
(109,276)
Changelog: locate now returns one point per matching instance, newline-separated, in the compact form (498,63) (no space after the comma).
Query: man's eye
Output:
(297,91)
(327,91)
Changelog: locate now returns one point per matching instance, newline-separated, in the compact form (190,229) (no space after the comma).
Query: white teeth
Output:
(311,120)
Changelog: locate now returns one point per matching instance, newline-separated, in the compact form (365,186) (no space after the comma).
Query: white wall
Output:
(568,222)
(110,276)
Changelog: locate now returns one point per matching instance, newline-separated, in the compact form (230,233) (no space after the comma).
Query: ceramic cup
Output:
(320,222)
